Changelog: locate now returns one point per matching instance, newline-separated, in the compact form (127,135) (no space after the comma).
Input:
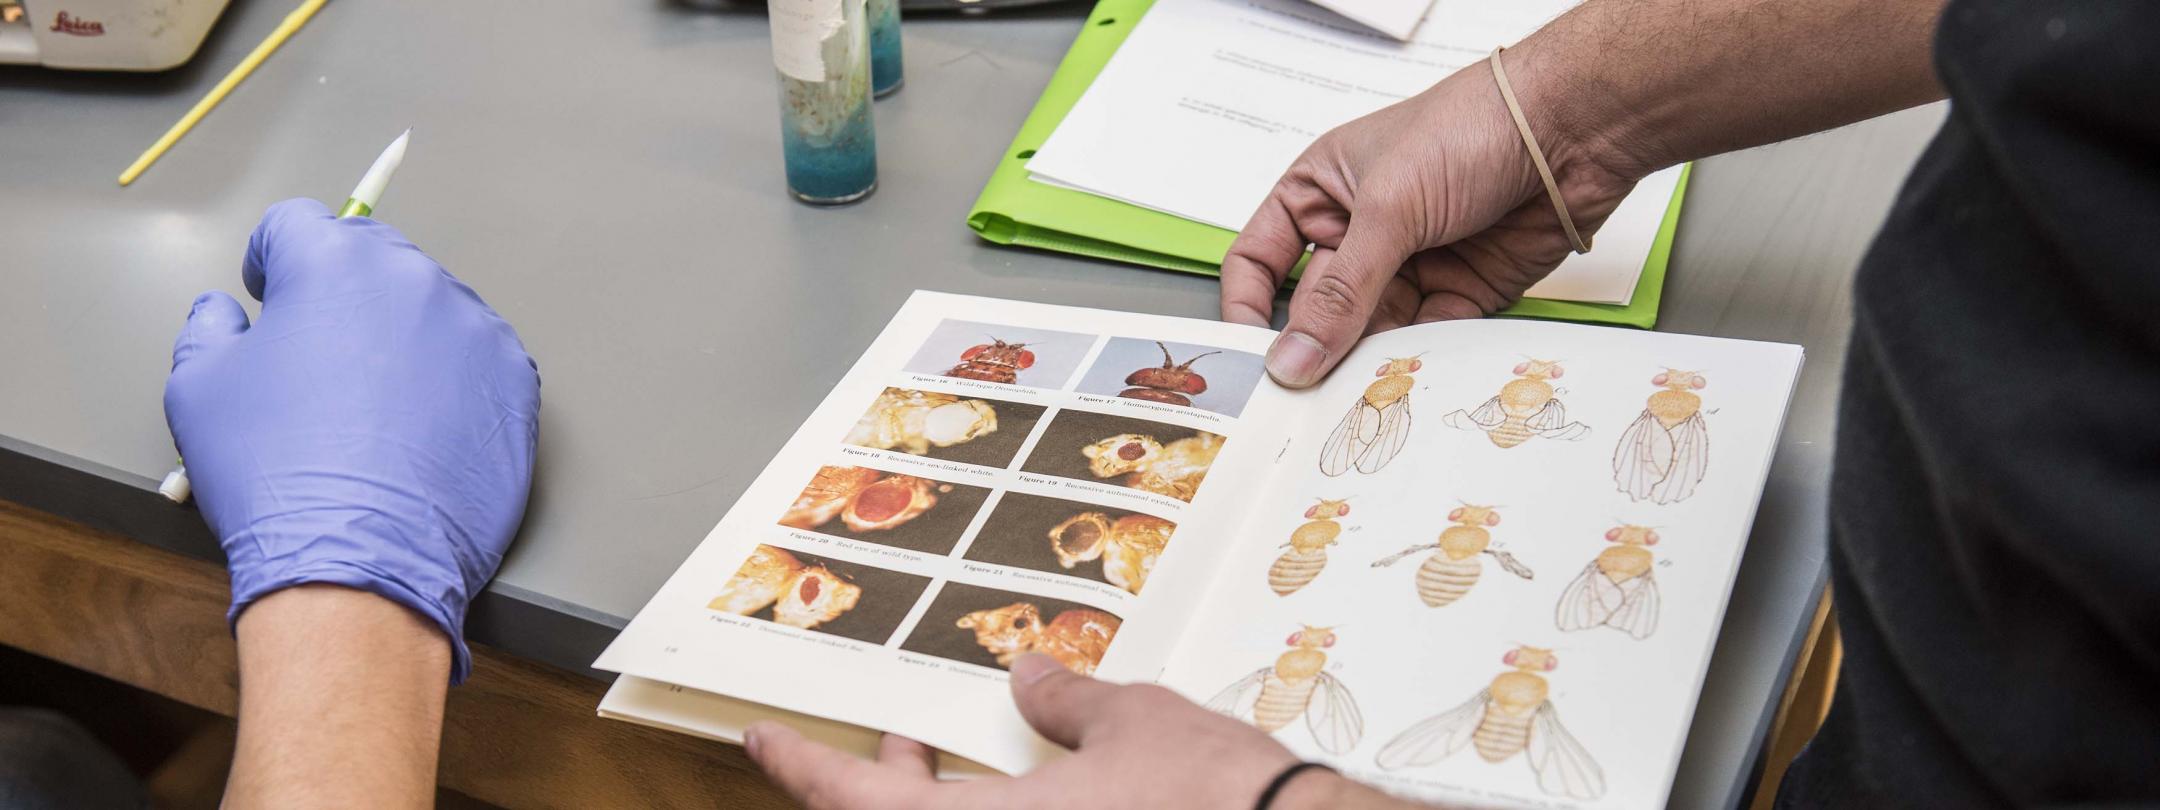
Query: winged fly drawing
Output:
(1509,717)
(1525,407)
(1455,564)
(1377,425)
(1273,696)
(1663,455)
(1616,589)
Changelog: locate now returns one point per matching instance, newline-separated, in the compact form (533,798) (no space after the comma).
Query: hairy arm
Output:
(341,702)
(1633,86)
(1430,208)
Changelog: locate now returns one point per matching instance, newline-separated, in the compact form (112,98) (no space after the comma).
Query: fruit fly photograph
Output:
(1297,685)
(889,509)
(850,600)
(1136,453)
(1170,373)
(944,426)
(990,627)
(1001,353)
(1511,716)
(1080,540)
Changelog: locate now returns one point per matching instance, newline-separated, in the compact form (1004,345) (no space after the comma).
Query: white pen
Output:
(175,487)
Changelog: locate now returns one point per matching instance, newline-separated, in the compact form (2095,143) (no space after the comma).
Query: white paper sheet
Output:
(1208,101)
(1395,18)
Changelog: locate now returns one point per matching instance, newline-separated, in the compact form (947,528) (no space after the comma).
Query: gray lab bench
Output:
(608,176)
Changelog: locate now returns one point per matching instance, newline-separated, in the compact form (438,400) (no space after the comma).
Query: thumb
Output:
(1060,705)
(215,320)
(1333,302)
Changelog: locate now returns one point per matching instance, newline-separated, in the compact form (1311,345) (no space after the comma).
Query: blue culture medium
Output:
(885,73)
(821,49)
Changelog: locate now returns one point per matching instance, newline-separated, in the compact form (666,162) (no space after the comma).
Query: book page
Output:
(1490,566)
(991,478)
(1208,102)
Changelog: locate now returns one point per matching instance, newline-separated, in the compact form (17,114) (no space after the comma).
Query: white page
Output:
(1395,18)
(1628,701)
(1208,101)
(898,660)
(718,717)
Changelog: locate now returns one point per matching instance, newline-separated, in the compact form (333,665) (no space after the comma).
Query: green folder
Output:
(1014,210)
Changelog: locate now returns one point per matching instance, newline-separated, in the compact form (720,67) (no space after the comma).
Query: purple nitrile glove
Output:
(373,429)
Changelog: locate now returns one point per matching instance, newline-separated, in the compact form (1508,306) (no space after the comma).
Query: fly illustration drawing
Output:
(1663,455)
(1526,407)
(1511,716)
(1377,425)
(1616,589)
(1455,564)
(1308,544)
(1273,696)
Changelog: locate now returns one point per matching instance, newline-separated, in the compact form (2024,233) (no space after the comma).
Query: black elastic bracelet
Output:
(1267,797)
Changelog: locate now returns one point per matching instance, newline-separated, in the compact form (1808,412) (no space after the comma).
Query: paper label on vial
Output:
(799,31)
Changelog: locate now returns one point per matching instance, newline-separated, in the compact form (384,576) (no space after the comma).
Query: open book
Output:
(1484,562)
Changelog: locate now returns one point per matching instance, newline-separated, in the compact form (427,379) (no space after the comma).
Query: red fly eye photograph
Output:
(1165,372)
(809,592)
(889,509)
(1004,354)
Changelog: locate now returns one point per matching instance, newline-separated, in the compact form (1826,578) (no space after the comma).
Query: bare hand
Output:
(1133,746)
(1426,210)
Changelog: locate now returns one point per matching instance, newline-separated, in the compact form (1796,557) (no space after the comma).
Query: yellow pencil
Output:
(293,21)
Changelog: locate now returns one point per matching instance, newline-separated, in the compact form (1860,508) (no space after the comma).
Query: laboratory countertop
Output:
(609,178)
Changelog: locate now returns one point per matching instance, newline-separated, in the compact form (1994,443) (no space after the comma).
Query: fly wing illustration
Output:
(1434,738)
(1392,432)
(1237,699)
(1343,446)
(1690,457)
(1334,719)
(1563,766)
(1551,422)
(1486,417)
(1513,566)
(1644,455)
(1638,611)
(1584,603)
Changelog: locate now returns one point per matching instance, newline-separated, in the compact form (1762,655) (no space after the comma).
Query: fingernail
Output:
(1295,359)
(750,738)
(1033,667)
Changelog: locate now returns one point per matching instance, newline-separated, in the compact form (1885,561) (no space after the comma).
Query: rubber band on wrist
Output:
(1282,780)
(1537,155)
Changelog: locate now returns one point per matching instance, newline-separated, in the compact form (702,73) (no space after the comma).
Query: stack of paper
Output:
(1256,81)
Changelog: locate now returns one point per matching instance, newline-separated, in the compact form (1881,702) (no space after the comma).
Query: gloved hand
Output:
(373,429)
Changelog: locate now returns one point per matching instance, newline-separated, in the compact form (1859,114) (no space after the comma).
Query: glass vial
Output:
(821,49)
(885,75)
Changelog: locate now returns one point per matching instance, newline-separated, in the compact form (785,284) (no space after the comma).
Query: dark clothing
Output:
(1995,509)
(47,762)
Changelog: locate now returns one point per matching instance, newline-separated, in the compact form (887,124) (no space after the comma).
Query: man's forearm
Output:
(1631,86)
(341,701)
